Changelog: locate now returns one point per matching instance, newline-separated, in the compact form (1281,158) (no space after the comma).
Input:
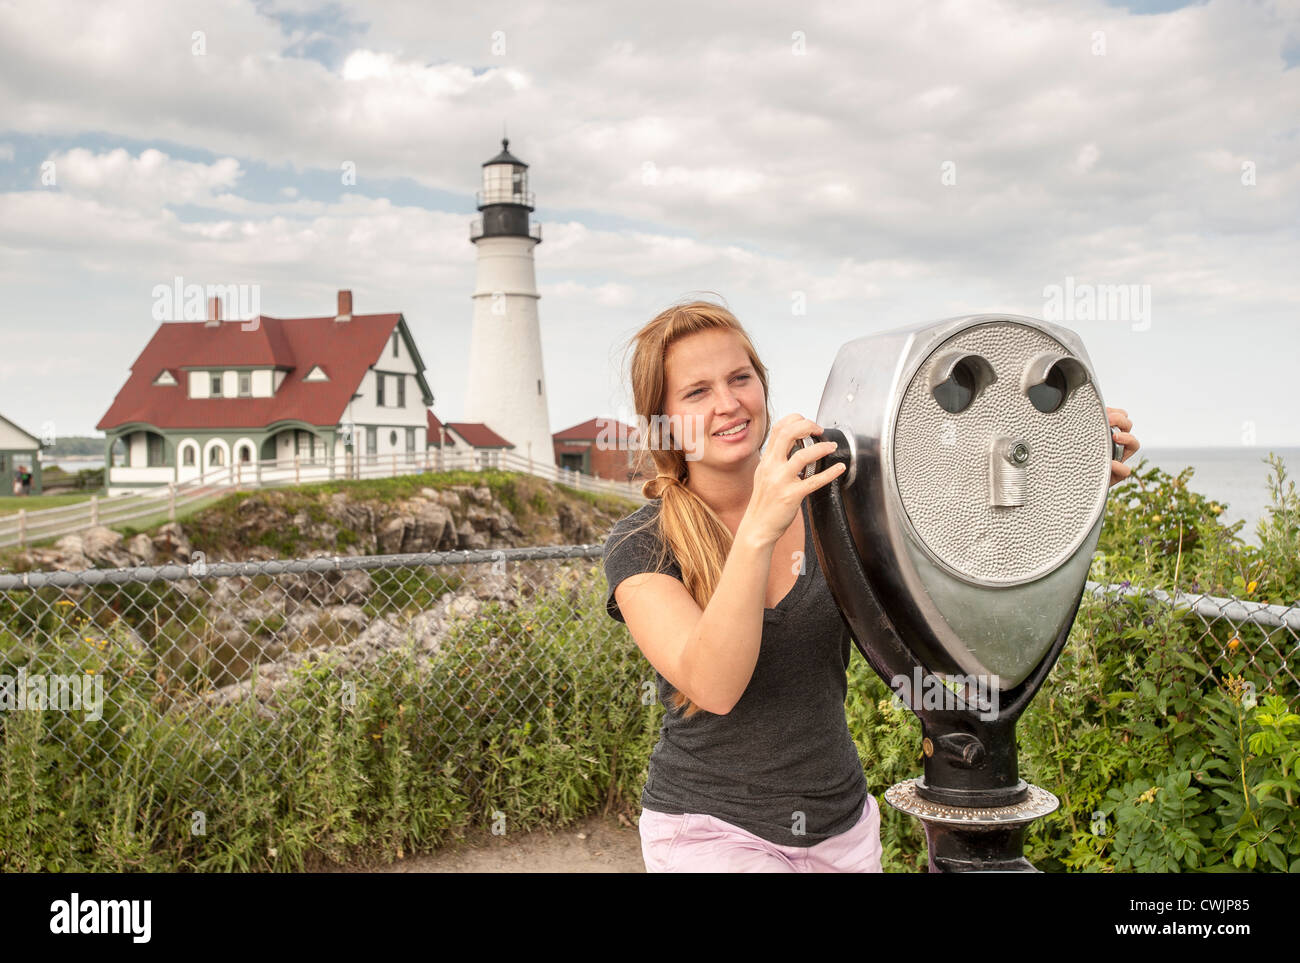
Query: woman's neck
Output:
(726,492)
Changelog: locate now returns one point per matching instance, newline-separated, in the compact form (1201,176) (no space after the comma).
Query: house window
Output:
(394,342)
(379,389)
(245,455)
(187,456)
(215,456)
(410,439)
(245,384)
(154,452)
(216,385)
(539,386)
(392,439)
(401,391)
(372,441)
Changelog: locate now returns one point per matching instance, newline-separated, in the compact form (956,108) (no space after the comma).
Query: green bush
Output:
(1172,744)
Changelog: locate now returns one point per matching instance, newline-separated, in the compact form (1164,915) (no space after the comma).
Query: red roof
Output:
(477,434)
(593,429)
(344,349)
(434,434)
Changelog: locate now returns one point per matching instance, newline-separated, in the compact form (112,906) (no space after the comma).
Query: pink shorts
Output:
(696,843)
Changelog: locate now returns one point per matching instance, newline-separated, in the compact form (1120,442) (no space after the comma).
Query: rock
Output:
(463,607)
(103,546)
(141,549)
(574,529)
(469,540)
(353,586)
(433,530)
(349,617)
(381,633)
(171,545)
(392,534)
(495,586)
(70,553)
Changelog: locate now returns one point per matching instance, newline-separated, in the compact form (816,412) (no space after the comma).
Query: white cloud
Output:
(768,172)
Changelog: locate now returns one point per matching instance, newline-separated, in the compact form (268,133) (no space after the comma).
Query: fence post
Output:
(171,501)
(22,526)
(94,509)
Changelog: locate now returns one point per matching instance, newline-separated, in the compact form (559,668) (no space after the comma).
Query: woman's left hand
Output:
(1119,419)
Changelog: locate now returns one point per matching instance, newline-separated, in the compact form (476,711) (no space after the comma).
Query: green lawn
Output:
(9,504)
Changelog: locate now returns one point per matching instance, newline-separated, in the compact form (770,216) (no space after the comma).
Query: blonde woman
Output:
(718,583)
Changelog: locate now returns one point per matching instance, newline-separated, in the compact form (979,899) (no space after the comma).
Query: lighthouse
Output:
(507,389)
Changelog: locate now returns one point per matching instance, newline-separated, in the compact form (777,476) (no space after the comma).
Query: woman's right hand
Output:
(778,488)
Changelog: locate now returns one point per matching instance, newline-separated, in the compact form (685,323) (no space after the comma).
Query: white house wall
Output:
(199,381)
(11,438)
(364,411)
(262,383)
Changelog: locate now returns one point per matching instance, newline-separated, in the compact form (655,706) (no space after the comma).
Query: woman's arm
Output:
(708,656)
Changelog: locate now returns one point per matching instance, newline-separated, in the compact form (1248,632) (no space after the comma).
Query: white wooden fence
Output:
(27,527)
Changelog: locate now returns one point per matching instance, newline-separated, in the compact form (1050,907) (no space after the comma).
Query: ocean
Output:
(1234,477)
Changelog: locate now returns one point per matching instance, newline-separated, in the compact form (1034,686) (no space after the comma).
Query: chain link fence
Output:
(485,639)
(178,664)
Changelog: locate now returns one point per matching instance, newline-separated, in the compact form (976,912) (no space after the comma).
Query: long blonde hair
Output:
(686,524)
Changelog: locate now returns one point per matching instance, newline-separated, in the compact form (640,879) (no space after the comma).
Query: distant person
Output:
(25,479)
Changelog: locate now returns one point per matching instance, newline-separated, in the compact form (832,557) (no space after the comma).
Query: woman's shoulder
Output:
(644,520)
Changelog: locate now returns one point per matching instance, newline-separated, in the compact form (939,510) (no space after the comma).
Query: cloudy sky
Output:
(829,169)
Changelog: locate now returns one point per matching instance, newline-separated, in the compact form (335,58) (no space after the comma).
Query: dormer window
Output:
(394,343)
(165,379)
(245,384)
(216,384)
(317,373)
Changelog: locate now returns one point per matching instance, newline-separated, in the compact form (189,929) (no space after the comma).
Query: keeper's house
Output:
(313,396)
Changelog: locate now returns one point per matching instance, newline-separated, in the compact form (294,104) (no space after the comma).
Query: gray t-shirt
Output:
(784,749)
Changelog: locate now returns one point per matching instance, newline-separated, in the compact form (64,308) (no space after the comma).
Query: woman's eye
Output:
(743,377)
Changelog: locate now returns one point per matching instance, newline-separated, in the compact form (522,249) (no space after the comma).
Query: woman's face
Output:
(712,386)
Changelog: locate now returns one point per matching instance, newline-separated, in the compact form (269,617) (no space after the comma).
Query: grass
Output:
(10,504)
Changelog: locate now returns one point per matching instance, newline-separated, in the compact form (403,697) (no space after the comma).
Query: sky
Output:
(828,170)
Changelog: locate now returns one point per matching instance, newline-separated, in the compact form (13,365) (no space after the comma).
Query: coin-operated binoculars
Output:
(957,543)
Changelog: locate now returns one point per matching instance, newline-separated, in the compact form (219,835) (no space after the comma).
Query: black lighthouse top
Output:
(505,199)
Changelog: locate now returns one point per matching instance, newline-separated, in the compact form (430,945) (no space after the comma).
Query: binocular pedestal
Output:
(964,839)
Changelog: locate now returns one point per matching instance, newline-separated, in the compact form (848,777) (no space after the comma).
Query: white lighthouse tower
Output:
(507,390)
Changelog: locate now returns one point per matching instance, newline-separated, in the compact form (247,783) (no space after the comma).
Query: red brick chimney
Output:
(214,313)
(345,306)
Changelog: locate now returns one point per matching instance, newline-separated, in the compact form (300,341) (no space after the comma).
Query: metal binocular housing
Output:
(957,543)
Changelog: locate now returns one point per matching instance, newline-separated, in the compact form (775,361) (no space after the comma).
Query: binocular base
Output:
(964,839)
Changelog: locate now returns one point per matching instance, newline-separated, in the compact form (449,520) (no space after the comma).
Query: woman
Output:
(720,587)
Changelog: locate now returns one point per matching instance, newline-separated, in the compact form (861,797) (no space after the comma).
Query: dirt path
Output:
(598,844)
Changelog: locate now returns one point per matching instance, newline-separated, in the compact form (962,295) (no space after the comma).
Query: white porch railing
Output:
(25,527)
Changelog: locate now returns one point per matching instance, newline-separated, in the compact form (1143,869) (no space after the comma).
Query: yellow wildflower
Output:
(1251,587)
